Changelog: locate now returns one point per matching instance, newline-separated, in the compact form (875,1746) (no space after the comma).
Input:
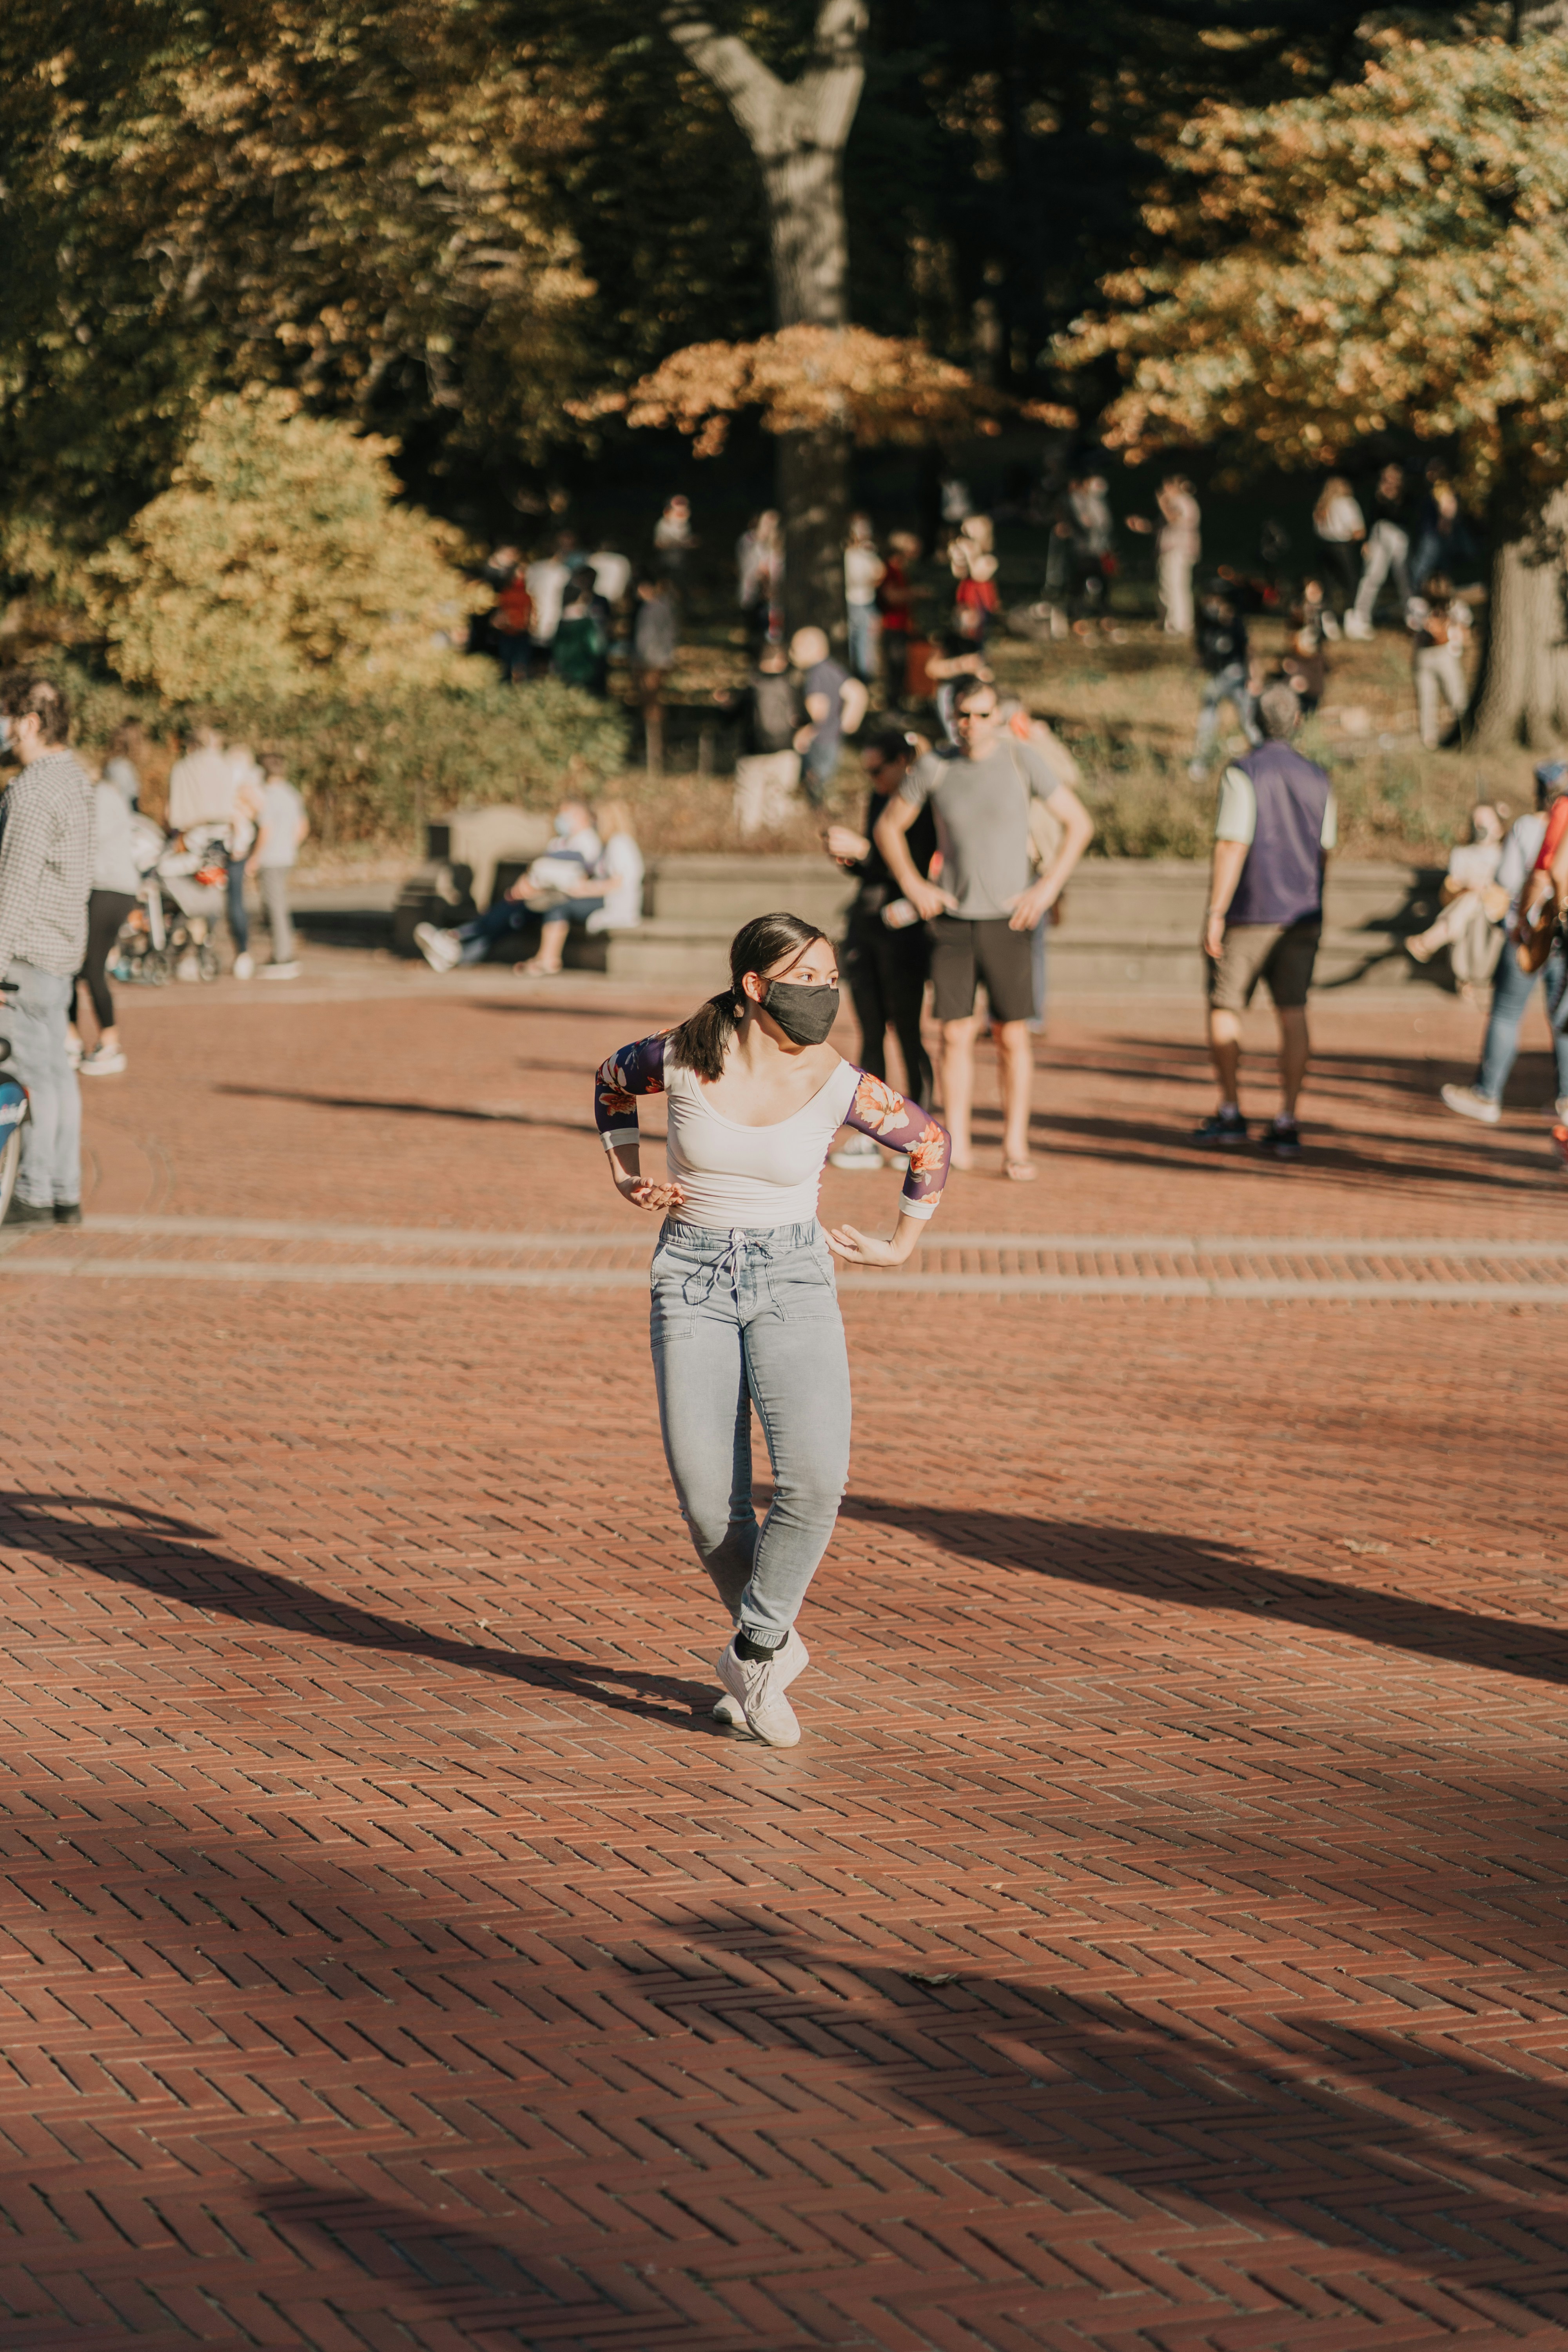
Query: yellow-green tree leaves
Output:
(276,561)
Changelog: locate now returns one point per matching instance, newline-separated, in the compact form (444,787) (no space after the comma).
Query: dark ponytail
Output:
(700,1042)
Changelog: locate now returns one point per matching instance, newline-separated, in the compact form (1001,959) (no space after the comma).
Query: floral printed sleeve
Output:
(901,1125)
(636,1070)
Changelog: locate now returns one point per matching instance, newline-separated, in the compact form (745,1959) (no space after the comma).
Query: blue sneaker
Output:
(1221,1132)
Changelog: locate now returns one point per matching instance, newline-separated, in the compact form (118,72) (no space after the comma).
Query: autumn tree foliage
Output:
(348,199)
(873,388)
(1386,255)
(279,561)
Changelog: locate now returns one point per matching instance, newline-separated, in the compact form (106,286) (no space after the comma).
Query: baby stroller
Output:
(168,935)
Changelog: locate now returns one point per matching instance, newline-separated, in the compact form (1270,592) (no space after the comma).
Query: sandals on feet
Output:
(1019,1171)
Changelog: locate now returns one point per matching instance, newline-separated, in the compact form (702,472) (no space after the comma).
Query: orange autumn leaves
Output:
(1387,253)
(879,387)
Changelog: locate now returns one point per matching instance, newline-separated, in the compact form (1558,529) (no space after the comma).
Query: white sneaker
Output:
(439,949)
(188,968)
(1356,627)
(858,1153)
(104,1062)
(757,1686)
(1329,623)
(1558,1111)
(792,1660)
(244,966)
(290,971)
(1471,1105)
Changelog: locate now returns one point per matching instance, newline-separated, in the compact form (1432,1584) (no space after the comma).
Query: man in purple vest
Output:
(1276,827)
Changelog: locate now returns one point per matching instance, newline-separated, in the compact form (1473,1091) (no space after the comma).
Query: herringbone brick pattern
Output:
(1156,1941)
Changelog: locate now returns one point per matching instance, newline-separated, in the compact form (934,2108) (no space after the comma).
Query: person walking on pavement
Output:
(1276,827)
(1511,985)
(744,1304)
(988,902)
(885,964)
(115,888)
(46,875)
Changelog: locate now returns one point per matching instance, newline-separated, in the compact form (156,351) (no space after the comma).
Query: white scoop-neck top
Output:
(735,1175)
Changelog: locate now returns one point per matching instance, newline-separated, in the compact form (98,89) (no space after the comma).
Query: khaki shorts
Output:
(1281,953)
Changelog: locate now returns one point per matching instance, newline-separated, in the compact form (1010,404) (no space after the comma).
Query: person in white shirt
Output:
(281,825)
(545,581)
(202,783)
(863,573)
(743,1304)
(611,574)
(1439,624)
(1340,527)
(562,885)
(1474,905)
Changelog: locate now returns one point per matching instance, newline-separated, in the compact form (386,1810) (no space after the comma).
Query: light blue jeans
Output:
(1227,685)
(35,1021)
(750,1316)
(1510,995)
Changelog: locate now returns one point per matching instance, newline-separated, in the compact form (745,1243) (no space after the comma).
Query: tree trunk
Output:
(814,499)
(797,132)
(1521,694)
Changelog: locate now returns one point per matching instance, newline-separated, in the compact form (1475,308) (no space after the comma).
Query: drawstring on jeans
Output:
(727,1268)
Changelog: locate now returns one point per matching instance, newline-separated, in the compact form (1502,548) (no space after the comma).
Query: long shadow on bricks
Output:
(154,1553)
(1159,1567)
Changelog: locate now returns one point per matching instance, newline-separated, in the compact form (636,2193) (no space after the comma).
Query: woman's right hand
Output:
(644,1193)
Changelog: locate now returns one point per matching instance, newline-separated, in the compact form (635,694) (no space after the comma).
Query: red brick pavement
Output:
(1156,1941)
(420,1105)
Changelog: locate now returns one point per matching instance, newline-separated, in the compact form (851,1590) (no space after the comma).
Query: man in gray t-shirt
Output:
(982,916)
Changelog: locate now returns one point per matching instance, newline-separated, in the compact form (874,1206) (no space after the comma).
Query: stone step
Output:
(1107,895)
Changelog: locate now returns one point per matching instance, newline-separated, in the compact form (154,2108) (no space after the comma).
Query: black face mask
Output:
(804,1015)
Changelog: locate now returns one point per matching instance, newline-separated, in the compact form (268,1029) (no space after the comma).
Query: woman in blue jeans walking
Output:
(744,1310)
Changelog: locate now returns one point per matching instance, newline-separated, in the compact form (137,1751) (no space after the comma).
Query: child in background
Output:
(281,826)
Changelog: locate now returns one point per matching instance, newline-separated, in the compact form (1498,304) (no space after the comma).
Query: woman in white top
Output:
(745,1309)
(620,870)
(116,886)
(1340,527)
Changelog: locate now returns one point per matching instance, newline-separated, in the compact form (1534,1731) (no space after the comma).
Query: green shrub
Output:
(369,766)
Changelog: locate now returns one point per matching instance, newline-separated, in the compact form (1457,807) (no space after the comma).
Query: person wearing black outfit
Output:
(1222,651)
(885,966)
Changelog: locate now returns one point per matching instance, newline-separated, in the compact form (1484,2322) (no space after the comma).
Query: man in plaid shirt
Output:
(45,873)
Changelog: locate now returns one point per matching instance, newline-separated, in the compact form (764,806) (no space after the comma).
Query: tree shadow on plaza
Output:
(1225,1578)
(153,1552)
(473,1113)
(1362,2140)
